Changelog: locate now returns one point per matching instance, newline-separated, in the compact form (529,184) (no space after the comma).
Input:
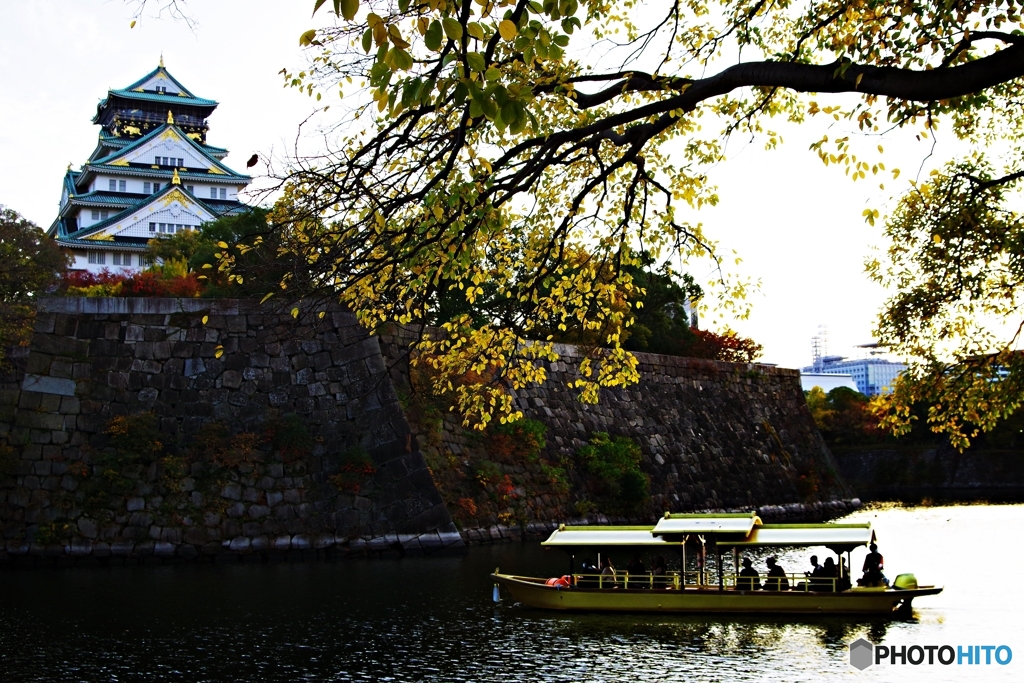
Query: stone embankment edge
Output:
(795,512)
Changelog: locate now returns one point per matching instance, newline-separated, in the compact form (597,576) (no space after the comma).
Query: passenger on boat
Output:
(589,569)
(873,565)
(844,580)
(660,572)
(815,573)
(776,580)
(636,573)
(828,573)
(749,579)
(608,573)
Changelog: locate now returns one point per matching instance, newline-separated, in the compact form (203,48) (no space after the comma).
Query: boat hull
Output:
(533,593)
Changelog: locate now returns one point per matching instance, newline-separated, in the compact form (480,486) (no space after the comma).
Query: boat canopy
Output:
(834,536)
(606,536)
(729,530)
(726,523)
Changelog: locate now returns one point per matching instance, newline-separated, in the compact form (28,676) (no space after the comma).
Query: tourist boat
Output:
(707,539)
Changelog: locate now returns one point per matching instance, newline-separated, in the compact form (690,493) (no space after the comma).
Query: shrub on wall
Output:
(354,467)
(614,466)
(160,281)
(519,441)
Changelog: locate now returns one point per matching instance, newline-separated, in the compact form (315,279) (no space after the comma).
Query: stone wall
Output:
(713,436)
(198,365)
(219,378)
(938,472)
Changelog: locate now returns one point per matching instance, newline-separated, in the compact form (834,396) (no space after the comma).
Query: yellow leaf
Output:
(508,29)
(936,239)
(218,351)
(295,312)
(266,296)
(206,319)
(132,25)
(222,245)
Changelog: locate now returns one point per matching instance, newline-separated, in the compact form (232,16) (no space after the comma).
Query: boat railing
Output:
(705,580)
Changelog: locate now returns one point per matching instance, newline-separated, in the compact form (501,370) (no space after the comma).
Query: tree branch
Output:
(905,84)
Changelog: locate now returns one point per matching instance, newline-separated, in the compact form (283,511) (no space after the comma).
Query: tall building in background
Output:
(151,175)
(872,376)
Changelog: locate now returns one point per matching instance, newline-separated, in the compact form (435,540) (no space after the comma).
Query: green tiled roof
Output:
(189,97)
(159,97)
(227,172)
(96,227)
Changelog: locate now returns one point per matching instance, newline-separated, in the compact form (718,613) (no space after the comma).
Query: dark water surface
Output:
(432,619)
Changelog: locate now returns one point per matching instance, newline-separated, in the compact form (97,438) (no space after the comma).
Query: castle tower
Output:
(151,175)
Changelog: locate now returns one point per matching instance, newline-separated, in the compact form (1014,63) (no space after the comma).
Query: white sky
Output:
(796,224)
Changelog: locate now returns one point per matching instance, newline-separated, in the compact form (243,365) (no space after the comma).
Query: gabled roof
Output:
(160,196)
(114,162)
(159,97)
(161,70)
(115,142)
(135,90)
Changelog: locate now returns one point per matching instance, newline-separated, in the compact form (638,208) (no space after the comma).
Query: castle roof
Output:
(158,86)
(117,162)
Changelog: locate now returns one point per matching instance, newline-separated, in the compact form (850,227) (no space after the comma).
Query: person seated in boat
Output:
(589,569)
(844,580)
(749,579)
(829,572)
(608,579)
(776,580)
(815,573)
(637,573)
(659,570)
(873,565)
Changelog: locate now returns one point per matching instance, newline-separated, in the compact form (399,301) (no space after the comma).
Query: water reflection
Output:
(432,619)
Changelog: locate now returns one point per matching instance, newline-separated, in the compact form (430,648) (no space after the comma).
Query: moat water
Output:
(433,619)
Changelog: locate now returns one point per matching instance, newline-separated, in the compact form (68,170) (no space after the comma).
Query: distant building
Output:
(872,376)
(151,175)
(809,380)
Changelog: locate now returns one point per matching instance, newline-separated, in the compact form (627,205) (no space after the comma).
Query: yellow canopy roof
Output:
(727,530)
(831,535)
(566,536)
(733,523)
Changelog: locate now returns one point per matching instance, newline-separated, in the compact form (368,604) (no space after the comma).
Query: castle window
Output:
(223,193)
(156,187)
(95,214)
(147,187)
(116,260)
(104,215)
(145,261)
(213,193)
(191,189)
(122,186)
(181,162)
(97,257)
(152,227)
(112,185)
(156,160)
